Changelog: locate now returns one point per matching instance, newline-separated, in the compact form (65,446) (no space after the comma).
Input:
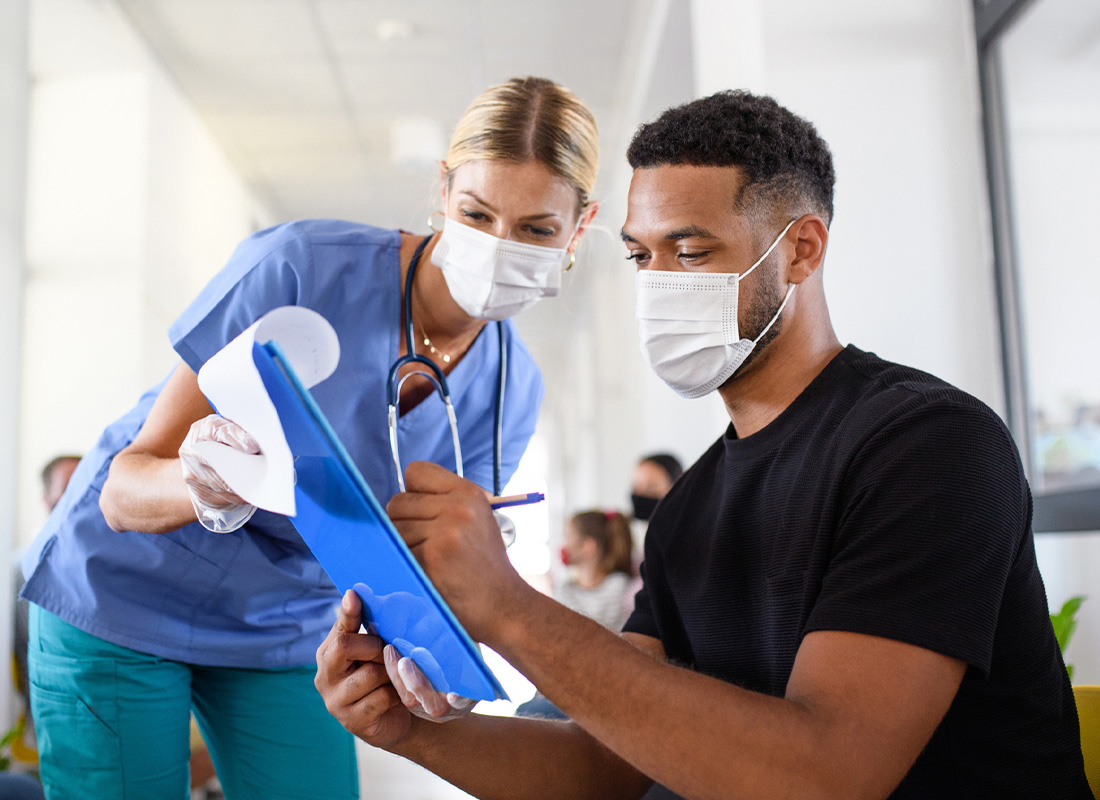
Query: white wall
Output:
(893,89)
(131,208)
(14,88)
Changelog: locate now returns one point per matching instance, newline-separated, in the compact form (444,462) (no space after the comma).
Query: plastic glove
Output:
(217,507)
(416,691)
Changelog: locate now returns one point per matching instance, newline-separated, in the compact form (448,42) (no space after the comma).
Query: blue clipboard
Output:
(347,530)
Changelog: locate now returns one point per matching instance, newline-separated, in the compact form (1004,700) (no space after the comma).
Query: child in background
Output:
(597,550)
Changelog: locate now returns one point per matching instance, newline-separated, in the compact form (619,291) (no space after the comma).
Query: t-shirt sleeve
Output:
(642,619)
(936,509)
(265,271)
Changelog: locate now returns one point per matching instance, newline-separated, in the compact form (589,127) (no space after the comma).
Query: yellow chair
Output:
(1088,713)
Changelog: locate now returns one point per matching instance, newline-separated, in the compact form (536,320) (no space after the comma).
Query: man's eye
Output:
(638,258)
(693,256)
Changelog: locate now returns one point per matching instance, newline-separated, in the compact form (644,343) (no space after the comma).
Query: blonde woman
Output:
(155,591)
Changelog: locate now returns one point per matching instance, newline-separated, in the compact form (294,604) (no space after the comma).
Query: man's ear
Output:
(811,237)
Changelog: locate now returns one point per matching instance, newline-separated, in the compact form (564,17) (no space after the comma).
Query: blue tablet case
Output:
(342,522)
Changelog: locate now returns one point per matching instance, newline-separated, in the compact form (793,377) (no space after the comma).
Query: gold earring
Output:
(431,218)
(572,261)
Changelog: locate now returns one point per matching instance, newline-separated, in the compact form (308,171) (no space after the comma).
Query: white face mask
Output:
(687,325)
(493,278)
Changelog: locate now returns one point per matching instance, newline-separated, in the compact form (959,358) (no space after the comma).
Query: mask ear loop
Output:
(768,327)
(760,260)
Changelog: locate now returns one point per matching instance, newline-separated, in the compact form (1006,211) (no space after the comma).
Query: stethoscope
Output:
(439,380)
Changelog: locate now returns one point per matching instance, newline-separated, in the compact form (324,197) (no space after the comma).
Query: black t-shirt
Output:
(882,501)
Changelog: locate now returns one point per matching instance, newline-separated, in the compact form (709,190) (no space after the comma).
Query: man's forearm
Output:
(505,757)
(697,735)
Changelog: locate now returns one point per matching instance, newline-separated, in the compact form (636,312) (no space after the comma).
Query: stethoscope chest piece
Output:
(507,528)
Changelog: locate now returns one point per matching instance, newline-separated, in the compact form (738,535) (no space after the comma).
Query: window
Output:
(1040,65)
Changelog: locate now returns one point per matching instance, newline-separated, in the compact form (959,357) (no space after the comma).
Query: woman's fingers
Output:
(417,694)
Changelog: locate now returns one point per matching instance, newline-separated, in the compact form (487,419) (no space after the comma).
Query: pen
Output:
(516,500)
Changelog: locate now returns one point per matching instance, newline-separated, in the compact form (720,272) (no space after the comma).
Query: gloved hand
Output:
(217,507)
(416,691)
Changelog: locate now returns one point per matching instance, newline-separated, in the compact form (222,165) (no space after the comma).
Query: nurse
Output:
(140,614)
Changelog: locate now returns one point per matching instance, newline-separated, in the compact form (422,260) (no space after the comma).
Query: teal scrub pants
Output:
(113,723)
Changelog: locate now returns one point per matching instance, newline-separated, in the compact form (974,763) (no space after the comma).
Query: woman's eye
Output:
(476,216)
(541,231)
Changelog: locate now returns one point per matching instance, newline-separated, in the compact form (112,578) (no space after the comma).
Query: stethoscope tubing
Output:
(439,380)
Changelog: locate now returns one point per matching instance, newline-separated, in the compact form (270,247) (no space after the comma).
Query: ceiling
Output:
(342,108)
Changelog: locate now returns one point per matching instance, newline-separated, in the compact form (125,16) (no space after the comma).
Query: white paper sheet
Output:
(233,386)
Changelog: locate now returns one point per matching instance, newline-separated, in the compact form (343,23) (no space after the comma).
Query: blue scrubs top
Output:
(257,597)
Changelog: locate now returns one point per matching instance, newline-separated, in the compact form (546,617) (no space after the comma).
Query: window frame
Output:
(1063,511)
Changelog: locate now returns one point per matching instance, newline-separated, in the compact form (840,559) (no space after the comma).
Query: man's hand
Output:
(448,524)
(351,677)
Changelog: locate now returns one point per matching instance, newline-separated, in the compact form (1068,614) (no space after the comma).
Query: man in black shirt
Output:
(840,598)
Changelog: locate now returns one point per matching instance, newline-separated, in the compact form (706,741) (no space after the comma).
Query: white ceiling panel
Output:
(594,80)
(264,132)
(303,94)
(522,27)
(238,30)
(287,86)
(437,87)
(437,29)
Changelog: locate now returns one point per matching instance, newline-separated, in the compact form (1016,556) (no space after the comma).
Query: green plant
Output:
(5,744)
(1065,623)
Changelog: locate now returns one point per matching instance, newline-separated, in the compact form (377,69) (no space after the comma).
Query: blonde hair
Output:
(530,118)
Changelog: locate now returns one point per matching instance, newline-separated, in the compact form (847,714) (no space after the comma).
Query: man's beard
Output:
(762,312)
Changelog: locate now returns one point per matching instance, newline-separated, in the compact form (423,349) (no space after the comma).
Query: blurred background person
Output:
(653,477)
(596,551)
(55,478)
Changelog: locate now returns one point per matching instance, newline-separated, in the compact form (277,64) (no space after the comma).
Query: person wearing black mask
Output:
(653,477)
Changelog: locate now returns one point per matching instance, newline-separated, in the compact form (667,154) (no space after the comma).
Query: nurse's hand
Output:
(448,524)
(416,692)
(352,680)
(216,506)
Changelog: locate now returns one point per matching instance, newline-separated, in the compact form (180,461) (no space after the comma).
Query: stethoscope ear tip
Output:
(507,528)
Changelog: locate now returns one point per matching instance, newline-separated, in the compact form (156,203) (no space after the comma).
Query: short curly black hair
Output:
(787,164)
